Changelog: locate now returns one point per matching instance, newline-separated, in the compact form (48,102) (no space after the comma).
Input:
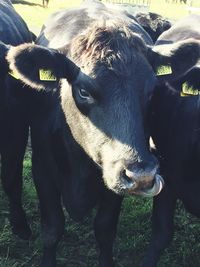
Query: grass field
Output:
(78,248)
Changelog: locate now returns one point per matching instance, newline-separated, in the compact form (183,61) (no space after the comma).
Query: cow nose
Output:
(140,174)
(137,169)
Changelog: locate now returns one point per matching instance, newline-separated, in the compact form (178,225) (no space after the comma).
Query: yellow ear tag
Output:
(46,75)
(189,90)
(163,70)
(183,94)
(14,74)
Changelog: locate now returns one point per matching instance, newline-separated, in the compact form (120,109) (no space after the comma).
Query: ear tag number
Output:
(46,75)
(163,70)
(189,90)
(14,74)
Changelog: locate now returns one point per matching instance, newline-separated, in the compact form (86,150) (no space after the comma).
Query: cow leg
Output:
(105,226)
(162,226)
(11,176)
(52,217)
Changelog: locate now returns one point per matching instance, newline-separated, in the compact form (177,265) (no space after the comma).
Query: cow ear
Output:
(172,61)
(40,67)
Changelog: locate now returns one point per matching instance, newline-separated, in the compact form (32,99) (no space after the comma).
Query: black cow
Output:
(175,124)
(153,24)
(45,3)
(90,122)
(13,118)
(176,1)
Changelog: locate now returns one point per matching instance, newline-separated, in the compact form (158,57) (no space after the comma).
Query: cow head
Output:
(105,89)
(153,24)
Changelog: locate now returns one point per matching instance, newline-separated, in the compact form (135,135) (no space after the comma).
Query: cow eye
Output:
(85,95)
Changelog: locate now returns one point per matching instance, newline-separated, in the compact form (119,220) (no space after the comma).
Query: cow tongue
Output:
(154,190)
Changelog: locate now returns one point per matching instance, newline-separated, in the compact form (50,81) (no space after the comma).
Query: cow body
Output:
(83,188)
(90,122)
(13,118)
(175,130)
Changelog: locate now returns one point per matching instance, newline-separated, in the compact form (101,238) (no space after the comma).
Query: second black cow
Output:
(174,117)
(14,125)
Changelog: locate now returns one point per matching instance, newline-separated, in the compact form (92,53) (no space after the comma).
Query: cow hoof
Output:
(106,263)
(49,258)
(48,264)
(23,232)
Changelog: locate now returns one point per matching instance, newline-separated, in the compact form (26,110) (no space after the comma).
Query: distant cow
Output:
(89,125)
(153,24)
(175,124)
(13,118)
(183,1)
(45,3)
(176,1)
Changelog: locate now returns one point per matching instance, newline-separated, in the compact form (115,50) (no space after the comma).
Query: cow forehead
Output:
(63,26)
(112,56)
(113,47)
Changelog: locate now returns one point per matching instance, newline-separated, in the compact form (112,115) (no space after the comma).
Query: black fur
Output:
(13,118)
(91,128)
(175,125)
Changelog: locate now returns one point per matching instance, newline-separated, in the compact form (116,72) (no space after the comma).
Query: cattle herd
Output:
(92,88)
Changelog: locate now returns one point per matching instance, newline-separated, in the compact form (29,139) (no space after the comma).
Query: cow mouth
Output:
(152,191)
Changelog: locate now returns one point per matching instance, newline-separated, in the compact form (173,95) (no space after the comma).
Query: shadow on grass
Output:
(25,3)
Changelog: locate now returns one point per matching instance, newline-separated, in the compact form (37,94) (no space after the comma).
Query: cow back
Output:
(182,30)
(64,25)
(13,29)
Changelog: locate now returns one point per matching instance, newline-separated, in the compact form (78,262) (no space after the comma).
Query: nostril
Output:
(129,174)
(127,180)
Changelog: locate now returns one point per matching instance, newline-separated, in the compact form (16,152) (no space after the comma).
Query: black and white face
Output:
(105,110)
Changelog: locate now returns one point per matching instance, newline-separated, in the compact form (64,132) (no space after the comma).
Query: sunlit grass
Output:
(35,15)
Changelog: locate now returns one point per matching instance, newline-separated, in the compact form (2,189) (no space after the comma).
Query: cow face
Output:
(109,101)
(105,102)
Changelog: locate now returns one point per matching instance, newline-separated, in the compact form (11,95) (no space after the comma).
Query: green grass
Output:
(78,248)
(36,15)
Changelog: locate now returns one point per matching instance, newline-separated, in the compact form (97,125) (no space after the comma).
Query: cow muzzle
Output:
(143,181)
